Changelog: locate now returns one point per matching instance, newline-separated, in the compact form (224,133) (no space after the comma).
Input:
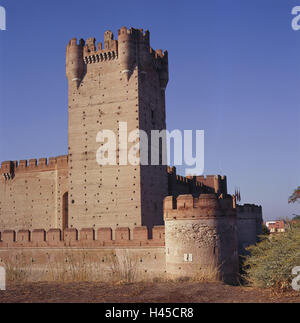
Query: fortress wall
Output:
(179,185)
(88,264)
(31,193)
(49,255)
(216,182)
(249,224)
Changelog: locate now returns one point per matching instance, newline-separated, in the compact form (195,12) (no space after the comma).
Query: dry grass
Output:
(73,268)
(210,273)
(80,266)
(18,270)
(123,268)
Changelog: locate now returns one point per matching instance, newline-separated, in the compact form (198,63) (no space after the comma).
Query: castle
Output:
(175,225)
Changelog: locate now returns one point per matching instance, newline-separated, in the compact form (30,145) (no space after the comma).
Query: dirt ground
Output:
(186,292)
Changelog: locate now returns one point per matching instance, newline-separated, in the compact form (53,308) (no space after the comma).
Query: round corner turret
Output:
(74,61)
(201,238)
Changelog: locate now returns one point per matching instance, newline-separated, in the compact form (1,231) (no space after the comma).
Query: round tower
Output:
(145,57)
(75,64)
(126,49)
(201,237)
(164,71)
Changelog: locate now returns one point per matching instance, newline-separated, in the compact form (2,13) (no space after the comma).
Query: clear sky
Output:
(234,72)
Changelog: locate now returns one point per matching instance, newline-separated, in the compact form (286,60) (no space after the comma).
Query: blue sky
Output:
(234,72)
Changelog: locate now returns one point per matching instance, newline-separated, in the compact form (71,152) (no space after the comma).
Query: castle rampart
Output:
(249,222)
(10,168)
(88,253)
(201,236)
(32,193)
(186,185)
(85,238)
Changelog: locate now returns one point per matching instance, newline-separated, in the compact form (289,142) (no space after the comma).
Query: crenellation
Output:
(70,235)
(32,165)
(22,165)
(38,236)
(122,234)
(204,206)
(7,167)
(140,234)
(23,236)
(8,236)
(53,237)
(56,238)
(87,234)
(43,163)
(249,208)
(158,234)
(185,202)
(104,235)
(90,45)
(170,203)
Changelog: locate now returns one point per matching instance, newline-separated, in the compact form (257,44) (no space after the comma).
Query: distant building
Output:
(277,226)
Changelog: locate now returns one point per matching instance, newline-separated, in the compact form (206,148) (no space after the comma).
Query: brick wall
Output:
(31,193)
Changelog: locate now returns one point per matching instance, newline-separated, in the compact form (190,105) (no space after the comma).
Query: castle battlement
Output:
(134,33)
(84,238)
(93,54)
(210,177)
(111,46)
(251,208)
(131,49)
(198,184)
(205,206)
(10,168)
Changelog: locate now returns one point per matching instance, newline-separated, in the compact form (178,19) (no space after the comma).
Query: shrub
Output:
(270,262)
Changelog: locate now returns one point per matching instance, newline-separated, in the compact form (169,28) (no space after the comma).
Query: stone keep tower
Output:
(122,81)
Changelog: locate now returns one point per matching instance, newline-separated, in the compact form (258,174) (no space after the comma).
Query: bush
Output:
(270,262)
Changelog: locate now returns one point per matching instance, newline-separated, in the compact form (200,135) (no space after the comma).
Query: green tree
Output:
(271,261)
(265,230)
